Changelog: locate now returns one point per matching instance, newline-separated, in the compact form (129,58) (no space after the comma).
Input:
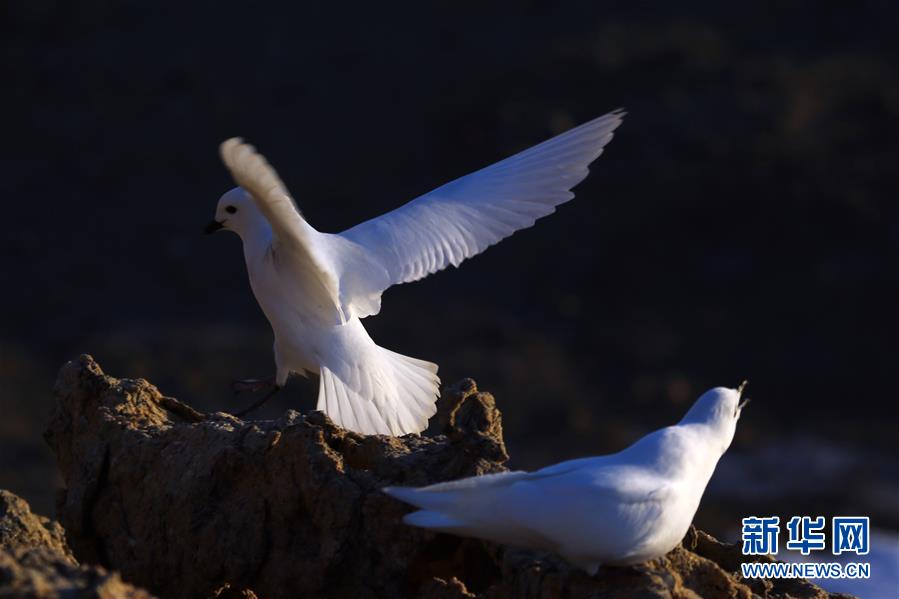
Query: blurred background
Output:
(742,224)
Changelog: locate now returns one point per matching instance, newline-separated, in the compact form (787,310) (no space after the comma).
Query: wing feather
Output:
(252,171)
(464,217)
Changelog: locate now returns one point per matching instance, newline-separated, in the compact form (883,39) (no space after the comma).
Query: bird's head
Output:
(236,211)
(719,408)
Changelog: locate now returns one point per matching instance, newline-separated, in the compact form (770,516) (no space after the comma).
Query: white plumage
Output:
(314,287)
(618,509)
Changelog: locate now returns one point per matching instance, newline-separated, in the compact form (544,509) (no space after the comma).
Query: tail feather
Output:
(473,492)
(329,395)
(421,375)
(382,392)
(477,506)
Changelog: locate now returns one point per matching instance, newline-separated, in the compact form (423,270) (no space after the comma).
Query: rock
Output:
(36,562)
(193,505)
(22,529)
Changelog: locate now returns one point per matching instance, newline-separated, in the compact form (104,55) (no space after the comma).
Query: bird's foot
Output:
(258,403)
(252,385)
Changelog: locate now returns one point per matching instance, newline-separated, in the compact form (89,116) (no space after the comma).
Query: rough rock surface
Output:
(192,505)
(36,562)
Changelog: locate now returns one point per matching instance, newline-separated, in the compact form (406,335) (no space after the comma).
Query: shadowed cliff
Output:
(192,505)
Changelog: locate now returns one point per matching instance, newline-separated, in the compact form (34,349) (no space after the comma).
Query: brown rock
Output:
(702,567)
(193,506)
(22,529)
(36,562)
(281,508)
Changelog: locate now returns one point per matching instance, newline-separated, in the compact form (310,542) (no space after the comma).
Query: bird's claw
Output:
(258,403)
(251,385)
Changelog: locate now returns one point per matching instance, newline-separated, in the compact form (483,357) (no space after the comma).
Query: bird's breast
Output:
(288,294)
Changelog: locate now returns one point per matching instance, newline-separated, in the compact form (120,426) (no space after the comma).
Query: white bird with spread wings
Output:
(315,287)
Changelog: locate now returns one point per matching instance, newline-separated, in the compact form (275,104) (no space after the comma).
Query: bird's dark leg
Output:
(255,405)
(252,385)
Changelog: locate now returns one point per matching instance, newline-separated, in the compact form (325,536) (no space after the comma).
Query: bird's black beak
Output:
(213,226)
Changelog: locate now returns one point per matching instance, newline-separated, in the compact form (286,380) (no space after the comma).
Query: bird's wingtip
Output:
(393,491)
(228,146)
(231,142)
(404,494)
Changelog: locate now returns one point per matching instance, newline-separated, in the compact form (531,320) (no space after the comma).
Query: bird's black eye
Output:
(230,209)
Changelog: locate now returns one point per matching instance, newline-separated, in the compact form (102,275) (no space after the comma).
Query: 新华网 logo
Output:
(805,534)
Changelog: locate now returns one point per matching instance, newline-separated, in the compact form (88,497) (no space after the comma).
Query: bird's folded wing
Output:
(537,507)
(256,176)
(630,483)
(464,217)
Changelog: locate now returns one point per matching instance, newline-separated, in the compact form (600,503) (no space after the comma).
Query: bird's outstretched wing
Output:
(464,217)
(255,175)
(252,171)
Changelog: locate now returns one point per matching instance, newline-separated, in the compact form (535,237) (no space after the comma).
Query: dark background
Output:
(742,224)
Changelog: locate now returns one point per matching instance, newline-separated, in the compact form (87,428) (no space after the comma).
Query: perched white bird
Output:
(619,509)
(315,287)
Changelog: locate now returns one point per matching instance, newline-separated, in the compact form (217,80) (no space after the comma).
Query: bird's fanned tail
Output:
(381,392)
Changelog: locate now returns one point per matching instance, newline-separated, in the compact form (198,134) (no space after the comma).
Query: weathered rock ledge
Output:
(36,562)
(193,506)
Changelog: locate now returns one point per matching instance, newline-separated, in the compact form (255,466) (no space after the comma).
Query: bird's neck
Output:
(257,239)
(712,444)
(681,448)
